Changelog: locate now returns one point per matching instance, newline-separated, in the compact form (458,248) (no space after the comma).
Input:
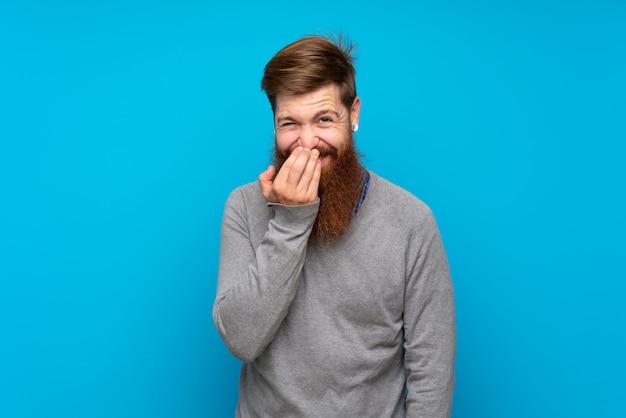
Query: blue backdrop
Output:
(125,124)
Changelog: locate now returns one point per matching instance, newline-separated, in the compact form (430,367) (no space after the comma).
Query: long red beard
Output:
(340,190)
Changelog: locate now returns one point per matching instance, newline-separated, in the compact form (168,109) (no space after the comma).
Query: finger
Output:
(315,181)
(285,170)
(309,170)
(266,181)
(297,168)
(268,174)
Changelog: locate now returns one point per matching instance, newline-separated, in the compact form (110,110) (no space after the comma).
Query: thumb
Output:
(266,180)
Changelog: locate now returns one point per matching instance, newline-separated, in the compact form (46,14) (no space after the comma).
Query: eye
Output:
(325,119)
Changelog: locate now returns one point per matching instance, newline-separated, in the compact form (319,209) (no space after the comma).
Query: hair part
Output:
(310,63)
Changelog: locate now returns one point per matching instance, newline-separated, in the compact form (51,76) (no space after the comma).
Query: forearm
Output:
(257,286)
(430,367)
(430,331)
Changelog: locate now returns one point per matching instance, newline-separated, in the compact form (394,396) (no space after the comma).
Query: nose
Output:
(308,139)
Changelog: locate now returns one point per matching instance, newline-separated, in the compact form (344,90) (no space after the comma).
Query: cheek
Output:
(286,141)
(339,139)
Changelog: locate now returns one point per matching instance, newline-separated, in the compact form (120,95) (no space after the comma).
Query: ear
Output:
(355,111)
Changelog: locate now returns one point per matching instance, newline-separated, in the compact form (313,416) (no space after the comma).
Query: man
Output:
(334,287)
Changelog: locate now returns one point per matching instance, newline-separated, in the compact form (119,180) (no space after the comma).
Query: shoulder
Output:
(246,195)
(399,211)
(397,200)
(245,205)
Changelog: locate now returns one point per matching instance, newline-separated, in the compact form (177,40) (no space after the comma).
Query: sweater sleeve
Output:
(257,285)
(429,326)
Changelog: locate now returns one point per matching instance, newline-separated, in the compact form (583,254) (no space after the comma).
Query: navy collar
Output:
(365,186)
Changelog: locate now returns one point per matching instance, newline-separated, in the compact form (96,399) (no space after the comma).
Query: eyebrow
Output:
(317,115)
(325,111)
(283,118)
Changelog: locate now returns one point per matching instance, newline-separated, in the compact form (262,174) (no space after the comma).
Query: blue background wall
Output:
(125,124)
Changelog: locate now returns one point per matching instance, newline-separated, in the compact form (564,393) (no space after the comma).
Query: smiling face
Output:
(315,120)
(320,120)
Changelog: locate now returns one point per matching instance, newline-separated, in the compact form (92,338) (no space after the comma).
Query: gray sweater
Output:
(342,330)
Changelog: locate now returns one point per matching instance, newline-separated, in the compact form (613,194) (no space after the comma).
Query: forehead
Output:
(324,98)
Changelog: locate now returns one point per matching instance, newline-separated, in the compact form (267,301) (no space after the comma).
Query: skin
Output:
(306,126)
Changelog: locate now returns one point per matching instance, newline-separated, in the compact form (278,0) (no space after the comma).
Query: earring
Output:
(355,127)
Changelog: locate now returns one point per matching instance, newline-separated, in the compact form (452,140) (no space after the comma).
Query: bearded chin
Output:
(340,189)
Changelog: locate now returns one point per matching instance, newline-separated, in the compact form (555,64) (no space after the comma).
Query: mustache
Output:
(327,151)
(281,156)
